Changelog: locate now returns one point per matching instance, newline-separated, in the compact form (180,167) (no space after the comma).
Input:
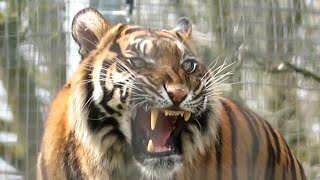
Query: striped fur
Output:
(247,148)
(99,124)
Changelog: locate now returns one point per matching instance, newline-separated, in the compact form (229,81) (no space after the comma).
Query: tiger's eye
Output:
(189,65)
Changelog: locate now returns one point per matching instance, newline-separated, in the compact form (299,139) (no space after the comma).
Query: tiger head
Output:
(141,93)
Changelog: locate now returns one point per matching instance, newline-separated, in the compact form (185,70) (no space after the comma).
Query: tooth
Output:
(166,113)
(154,116)
(187,115)
(150,147)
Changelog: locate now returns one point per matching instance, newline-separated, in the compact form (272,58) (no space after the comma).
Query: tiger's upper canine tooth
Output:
(154,117)
(187,115)
(150,147)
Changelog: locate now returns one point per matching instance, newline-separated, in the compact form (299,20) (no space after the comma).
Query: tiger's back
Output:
(141,105)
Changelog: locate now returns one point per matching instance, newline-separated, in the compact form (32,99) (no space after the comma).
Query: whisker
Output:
(215,61)
(139,104)
(217,78)
(98,119)
(142,98)
(201,128)
(88,102)
(232,83)
(125,66)
(218,70)
(216,82)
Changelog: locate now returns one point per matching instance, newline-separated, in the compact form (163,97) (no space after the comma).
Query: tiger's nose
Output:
(177,93)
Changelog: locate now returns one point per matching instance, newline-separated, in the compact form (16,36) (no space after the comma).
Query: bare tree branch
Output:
(306,73)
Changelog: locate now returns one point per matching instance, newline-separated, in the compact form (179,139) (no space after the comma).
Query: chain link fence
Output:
(274,45)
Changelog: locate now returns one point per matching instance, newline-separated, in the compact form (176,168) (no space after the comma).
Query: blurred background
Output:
(274,44)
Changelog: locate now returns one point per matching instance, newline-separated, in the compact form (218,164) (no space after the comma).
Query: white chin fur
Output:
(154,168)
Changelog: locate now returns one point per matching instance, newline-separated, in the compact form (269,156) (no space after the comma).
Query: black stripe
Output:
(150,81)
(96,120)
(232,120)
(115,47)
(72,167)
(107,96)
(202,121)
(179,36)
(276,140)
(116,133)
(200,94)
(106,64)
(109,109)
(132,30)
(166,33)
(290,159)
(218,147)
(292,168)
(132,48)
(189,132)
(284,173)
(124,97)
(198,86)
(287,153)
(255,140)
(102,77)
(303,176)
(153,34)
(270,167)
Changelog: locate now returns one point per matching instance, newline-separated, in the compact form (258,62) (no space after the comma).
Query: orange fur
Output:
(89,133)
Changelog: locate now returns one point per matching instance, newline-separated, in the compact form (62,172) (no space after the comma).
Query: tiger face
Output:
(146,94)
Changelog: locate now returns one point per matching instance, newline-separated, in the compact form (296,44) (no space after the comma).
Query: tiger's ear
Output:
(88,27)
(184,26)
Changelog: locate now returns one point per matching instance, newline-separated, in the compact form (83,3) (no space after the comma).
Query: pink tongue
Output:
(159,143)
(161,134)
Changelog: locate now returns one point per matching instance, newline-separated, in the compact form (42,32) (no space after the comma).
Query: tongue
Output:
(161,133)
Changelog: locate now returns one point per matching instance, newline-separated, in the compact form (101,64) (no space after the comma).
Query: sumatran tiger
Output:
(141,105)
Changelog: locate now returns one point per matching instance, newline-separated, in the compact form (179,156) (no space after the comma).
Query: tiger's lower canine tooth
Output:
(150,147)
(187,115)
(154,117)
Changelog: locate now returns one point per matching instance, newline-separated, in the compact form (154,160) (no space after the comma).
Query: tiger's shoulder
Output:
(247,147)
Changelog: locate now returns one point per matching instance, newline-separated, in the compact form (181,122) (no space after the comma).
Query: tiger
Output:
(143,105)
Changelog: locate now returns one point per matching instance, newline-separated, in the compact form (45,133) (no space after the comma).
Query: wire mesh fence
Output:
(275,47)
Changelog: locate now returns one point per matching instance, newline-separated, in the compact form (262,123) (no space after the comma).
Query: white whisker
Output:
(139,104)
(201,128)
(87,102)
(98,119)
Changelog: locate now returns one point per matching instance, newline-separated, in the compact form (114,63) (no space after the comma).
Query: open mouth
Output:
(156,132)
